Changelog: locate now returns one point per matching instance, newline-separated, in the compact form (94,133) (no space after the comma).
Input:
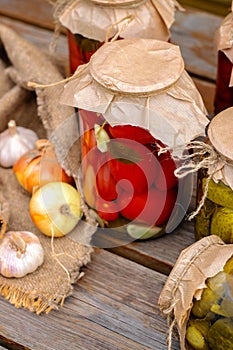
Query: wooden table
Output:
(114,306)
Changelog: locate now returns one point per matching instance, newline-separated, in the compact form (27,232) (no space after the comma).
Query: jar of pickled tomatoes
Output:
(215,181)
(89,23)
(134,109)
(224,81)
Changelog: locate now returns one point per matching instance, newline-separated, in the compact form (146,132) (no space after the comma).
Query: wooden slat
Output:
(41,38)
(36,12)
(161,253)
(113,307)
(219,7)
(194,32)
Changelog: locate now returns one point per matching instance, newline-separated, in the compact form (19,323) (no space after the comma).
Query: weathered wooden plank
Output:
(36,12)
(42,38)
(194,32)
(113,307)
(161,253)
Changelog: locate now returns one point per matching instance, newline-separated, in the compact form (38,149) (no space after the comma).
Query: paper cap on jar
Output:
(223,36)
(93,19)
(137,67)
(220,133)
(141,82)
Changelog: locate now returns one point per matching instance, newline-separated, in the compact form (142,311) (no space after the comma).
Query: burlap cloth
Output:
(20,62)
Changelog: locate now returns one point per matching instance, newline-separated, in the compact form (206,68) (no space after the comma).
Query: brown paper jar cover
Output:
(187,281)
(224,82)
(140,88)
(92,22)
(143,78)
(215,217)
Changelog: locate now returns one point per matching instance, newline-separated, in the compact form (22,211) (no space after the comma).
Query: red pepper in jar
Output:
(137,167)
(153,207)
(131,132)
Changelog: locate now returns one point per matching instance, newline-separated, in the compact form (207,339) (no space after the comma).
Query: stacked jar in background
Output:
(224,81)
(90,23)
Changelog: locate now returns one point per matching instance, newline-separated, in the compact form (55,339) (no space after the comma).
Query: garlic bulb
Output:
(20,253)
(14,142)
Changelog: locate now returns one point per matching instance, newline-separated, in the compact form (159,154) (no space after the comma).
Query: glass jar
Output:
(90,23)
(126,117)
(215,183)
(210,322)
(224,80)
(197,296)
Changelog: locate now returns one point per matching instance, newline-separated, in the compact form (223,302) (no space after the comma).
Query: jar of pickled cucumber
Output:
(136,103)
(224,80)
(197,297)
(215,183)
(90,23)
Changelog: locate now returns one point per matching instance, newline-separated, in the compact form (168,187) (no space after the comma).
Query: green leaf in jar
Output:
(86,44)
(123,153)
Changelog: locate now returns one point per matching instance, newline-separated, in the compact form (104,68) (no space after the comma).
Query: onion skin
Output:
(55,208)
(39,166)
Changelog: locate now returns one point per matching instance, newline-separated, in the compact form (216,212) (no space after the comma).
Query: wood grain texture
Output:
(113,307)
(194,32)
(219,7)
(41,38)
(36,12)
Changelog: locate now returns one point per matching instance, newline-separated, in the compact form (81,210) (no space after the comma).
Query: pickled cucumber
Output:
(220,335)
(202,324)
(219,193)
(228,268)
(222,224)
(203,219)
(202,307)
(195,338)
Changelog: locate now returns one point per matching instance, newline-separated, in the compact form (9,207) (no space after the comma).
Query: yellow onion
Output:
(55,208)
(39,166)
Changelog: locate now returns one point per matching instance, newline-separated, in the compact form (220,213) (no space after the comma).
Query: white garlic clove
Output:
(20,253)
(14,142)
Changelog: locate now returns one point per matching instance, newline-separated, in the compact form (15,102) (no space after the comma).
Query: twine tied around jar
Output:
(124,21)
(202,155)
